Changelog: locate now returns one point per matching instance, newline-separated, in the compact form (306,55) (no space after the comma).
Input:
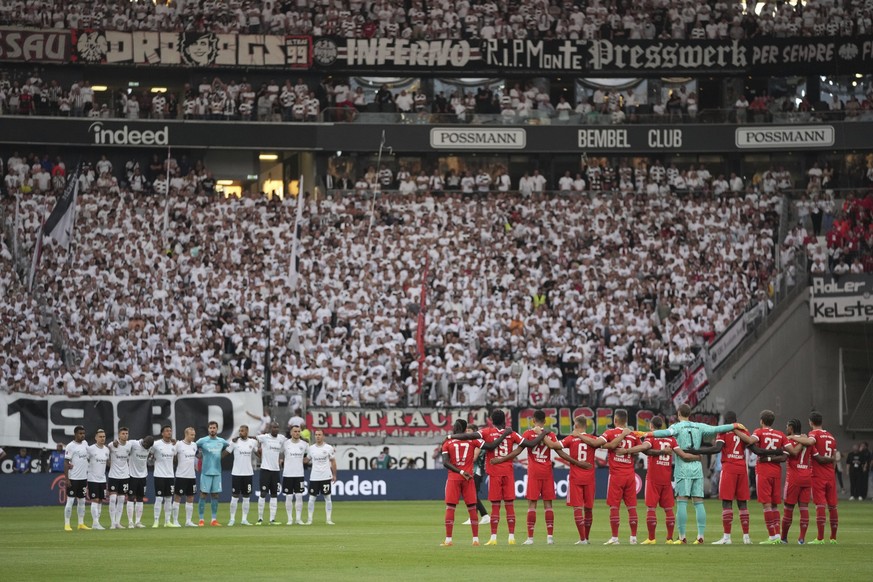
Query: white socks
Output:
(311,506)
(261,508)
(189,511)
(245,513)
(159,503)
(328,506)
(68,510)
(274,505)
(233,503)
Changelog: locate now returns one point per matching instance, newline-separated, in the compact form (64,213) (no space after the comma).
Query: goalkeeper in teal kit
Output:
(211,449)
(689,474)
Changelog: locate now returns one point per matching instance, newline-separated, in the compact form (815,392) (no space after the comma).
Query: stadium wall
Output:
(792,368)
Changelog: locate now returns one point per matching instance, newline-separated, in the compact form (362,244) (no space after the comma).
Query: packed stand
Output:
(466,19)
(595,299)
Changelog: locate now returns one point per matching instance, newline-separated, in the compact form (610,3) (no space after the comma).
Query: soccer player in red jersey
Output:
(498,442)
(768,443)
(659,481)
(458,459)
(824,486)
(734,481)
(580,494)
(540,477)
(623,446)
(798,482)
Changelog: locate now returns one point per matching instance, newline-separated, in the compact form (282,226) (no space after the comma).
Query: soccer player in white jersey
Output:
(271,450)
(164,453)
(186,478)
(76,477)
(119,476)
(242,473)
(294,451)
(322,475)
(98,458)
(138,484)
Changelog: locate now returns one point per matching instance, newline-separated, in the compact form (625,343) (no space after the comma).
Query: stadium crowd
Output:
(468,19)
(531,298)
(332,98)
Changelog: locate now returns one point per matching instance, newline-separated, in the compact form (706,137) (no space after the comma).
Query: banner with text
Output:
(727,342)
(30,421)
(693,385)
(815,55)
(844,299)
(425,426)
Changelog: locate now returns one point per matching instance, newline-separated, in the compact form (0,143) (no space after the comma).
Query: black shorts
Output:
(319,488)
(96,490)
(269,481)
(118,486)
(292,485)
(186,487)
(164,486)
(137,487)
(77,488)
(240,485)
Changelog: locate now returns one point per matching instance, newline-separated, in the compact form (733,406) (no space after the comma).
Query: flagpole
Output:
(37,254)
(294,239)
(17,224)
(167,202)
(378,188)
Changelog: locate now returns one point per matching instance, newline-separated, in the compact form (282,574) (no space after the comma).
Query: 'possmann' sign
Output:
(844,299)
(795,136)
(471,139)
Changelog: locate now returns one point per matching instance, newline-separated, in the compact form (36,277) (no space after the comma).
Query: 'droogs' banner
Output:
(430,425)
(824,55)
(29,421)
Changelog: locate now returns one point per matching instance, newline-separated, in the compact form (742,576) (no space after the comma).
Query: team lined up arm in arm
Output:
(772,455)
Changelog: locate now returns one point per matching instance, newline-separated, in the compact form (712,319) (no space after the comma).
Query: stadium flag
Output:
(60,222)
(15,230)
(268,365)
(37,256)
(419,333)
(167,200)
(301,195)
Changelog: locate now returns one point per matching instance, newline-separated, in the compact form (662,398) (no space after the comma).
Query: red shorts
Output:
(540,489)
(659,494)
(824,492)
(457,488)
(769,490)
(581,494)
(733,485)
(622,488)
(501,488)
(797,491)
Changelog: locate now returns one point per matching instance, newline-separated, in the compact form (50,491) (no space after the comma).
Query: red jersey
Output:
(825,444)
(491,434)
(769,438)
(539,458)
(461,456)
(661,467)
(621,464)
(733,453)
(800,465)
(581,451)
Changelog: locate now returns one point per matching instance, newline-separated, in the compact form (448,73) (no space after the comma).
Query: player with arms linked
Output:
(458,456)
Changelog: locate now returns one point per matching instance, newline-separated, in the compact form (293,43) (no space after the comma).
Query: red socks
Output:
(614,521)
(820,520)
(531,521)
(510,516)
(651,521)
(474,519)
(671,522)
(787,519)
(835,520)
(744,520)
(450,521)
(633,520)
(727,520)
(495,517)
(804,521)
(589,519)
(580,523)
(550,521)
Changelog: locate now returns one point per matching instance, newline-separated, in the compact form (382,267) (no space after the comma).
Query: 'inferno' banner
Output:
(825,55)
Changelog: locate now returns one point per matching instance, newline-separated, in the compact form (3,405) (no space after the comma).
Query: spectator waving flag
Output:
(60,222)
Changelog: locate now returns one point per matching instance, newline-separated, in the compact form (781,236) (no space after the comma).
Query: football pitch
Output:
(400,540)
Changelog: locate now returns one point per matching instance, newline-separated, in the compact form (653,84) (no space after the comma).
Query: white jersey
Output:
(186,460)
(98,457)
(321,457)
(77,455)
(119,460)
(294,453)
(139,460)
(242,456)
(164,453)
(271,448)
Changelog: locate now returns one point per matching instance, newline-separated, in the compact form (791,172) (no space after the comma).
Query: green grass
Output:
(400,540)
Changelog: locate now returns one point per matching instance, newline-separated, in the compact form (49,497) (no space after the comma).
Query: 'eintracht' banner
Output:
(31,421)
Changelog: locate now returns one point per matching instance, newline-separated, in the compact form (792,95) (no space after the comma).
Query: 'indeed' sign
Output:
(127,136)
